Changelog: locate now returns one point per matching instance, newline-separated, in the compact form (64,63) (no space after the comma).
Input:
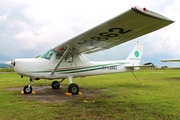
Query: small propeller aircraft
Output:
(67,61)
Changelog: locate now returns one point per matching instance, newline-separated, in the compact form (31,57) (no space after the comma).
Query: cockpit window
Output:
(47,55)
(68,58)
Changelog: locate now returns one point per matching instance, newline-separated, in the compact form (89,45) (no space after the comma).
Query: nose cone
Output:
(10,63)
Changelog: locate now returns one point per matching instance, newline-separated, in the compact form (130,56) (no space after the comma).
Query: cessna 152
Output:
(66,60)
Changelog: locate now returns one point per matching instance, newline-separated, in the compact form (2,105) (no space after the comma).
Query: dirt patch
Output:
(47,95)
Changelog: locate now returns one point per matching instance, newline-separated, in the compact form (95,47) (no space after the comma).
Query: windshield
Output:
(47,55)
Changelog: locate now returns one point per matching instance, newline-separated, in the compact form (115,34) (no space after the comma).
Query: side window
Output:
(68,58)
(83,58)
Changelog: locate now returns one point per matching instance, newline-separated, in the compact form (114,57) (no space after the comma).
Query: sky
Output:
(31,27)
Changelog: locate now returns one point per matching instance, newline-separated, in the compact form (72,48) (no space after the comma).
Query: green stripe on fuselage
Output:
(84,69)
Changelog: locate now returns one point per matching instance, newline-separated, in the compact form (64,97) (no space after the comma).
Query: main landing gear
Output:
(72,88)
(55,85)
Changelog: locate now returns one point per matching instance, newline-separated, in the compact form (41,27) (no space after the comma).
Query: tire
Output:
(27,90)
(73,88)
(55,85)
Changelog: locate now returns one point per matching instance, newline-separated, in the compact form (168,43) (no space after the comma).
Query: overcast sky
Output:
(31,27)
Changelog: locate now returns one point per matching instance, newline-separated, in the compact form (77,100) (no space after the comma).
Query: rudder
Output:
(136,54)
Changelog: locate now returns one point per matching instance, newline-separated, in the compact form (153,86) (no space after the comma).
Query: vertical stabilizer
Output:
(136,54)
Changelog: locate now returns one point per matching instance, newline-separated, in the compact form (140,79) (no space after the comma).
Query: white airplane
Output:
(66,60)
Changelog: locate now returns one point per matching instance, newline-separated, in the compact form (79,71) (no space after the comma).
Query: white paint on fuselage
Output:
(78,67)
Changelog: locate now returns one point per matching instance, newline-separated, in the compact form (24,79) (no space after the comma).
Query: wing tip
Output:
(143,10)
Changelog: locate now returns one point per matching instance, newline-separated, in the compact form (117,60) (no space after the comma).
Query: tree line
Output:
(6,70)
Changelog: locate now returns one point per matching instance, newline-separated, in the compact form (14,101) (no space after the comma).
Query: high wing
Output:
(122,28)
(170,60)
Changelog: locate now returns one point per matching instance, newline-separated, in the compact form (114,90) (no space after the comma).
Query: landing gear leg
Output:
(73,88)
(28,89)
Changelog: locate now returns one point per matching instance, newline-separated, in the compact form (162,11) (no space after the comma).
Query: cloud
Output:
(28,28)
(166,40)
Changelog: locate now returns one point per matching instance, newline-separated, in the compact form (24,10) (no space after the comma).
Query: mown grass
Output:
(122,97)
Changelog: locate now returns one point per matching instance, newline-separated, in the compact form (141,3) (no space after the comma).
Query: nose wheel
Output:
(27,89)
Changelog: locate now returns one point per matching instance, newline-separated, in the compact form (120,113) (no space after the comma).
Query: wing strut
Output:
(61,59)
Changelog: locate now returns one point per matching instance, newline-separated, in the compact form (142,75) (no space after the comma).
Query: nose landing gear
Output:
(28,89)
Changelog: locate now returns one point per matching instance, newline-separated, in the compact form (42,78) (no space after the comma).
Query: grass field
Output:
(158,97)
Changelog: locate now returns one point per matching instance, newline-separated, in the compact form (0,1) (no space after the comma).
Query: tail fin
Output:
(136,54)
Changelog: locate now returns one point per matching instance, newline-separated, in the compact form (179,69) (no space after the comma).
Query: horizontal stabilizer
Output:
(139,66)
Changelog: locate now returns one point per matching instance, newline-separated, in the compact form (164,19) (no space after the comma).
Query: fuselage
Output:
(78,66)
